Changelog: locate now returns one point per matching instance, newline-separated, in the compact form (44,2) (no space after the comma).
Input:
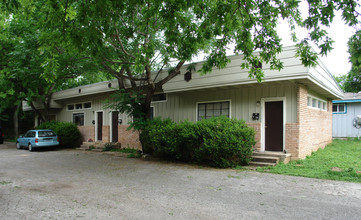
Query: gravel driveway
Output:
(69,184)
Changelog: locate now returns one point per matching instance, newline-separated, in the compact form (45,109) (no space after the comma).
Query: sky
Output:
(336,61)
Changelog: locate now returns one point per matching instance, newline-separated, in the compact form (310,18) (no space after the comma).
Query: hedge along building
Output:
(291,110)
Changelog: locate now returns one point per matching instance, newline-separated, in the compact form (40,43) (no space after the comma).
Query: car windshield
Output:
(46,134)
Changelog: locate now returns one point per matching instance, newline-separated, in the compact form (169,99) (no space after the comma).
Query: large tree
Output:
(32,67)
(351,82)
(135,40)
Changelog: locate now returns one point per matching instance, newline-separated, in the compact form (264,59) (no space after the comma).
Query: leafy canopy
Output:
(351,82)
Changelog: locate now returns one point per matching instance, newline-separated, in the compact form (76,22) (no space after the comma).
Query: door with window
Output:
(99,126)
(274,126)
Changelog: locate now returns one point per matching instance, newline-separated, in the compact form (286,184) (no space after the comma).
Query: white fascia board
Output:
(336,93)
(245,82)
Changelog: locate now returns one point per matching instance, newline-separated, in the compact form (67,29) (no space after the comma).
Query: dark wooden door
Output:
(274,126)
(115,119)
(100,126)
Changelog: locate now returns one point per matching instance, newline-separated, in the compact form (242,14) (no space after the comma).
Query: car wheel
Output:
(30,147)
(18,145)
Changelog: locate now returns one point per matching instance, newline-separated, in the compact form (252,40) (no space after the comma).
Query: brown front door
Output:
(274,126)
(115,126)
(100,126)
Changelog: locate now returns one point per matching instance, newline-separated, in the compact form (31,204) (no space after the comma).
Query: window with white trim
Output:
(87,105)
(339,108)
(78,119)
(79,106)
(213,109)
(70,107)
(316,103)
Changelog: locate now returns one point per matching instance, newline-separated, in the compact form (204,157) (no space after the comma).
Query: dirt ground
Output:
(69,184)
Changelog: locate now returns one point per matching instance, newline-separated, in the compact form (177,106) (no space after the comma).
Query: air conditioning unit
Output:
(358,120)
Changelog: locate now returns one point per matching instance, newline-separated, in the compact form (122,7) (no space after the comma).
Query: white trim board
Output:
(263,101)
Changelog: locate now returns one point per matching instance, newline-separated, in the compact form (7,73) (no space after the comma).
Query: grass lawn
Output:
(340,160)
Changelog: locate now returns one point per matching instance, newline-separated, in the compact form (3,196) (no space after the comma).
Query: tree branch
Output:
(172,75)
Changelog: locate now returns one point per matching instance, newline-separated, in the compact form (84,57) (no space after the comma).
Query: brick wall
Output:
(257,129)
(87,133)
(315,125)
(128,138)
(105,133)
(125,137)
(292,139)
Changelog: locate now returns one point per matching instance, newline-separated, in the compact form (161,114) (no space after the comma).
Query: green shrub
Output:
(163,138)
(112,146)
(219,142)
(68,133)
(226,142)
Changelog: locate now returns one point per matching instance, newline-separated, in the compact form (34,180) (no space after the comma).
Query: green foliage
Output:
(110,146)
(352,81)
(338,161)
(67,132)
(38,58)
(219,142)
(123,102)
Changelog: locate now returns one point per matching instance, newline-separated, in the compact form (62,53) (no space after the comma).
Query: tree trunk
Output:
(16,120)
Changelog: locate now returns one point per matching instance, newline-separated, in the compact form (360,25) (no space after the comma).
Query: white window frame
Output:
(206,102)
(318,101)
(91,105)
(73,113)
(68,108)
(82,106)
(339,112)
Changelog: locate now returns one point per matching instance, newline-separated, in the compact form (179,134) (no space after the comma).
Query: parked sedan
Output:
(37,138)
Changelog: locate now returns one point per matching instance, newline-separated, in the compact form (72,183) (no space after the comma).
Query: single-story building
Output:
(346,116)
(291,110)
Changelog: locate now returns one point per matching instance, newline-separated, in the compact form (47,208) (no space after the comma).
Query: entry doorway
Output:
(273,125)
(114,125)
(99,129)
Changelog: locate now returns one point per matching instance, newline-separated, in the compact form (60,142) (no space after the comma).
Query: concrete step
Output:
(283,157)
(87,145)
(266,159)
(261,164)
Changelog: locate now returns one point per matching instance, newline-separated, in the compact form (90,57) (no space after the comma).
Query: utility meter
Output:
(358,120)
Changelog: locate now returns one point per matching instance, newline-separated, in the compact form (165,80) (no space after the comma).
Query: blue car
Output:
(37,138)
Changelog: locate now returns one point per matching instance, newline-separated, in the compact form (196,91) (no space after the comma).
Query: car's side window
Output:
(33,134)
(27,134)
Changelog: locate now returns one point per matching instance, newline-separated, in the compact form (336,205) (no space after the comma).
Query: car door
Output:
(31,138)
(22,140)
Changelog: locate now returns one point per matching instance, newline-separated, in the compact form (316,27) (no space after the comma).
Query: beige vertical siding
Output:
(182,105)
(98,104)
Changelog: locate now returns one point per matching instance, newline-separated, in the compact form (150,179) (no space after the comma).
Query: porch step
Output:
(87,145)
(261,164)
(283,157)
(266,159)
